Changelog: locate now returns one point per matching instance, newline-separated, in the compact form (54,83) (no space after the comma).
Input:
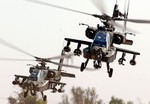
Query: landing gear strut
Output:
(83,65)
(109,70)
(32,89)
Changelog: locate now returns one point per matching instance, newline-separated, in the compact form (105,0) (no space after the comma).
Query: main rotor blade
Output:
(13,59)
(103,16)
(138,21)
(120,26)
(134,20)
(9,45)
(100,5)
(61,56)
(59,7)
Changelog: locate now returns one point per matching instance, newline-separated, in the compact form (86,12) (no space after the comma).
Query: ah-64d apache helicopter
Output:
(41,77)
(102,48)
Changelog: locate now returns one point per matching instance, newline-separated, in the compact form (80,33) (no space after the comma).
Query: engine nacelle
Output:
(90,33)
(118,39)
(50,74)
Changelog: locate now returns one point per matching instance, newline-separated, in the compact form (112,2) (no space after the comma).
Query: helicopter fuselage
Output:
(100,55)
(101,48)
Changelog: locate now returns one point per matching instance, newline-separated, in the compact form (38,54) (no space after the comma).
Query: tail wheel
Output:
(110,72)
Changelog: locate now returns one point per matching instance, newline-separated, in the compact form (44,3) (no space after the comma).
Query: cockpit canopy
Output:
(102,39)
(34,75)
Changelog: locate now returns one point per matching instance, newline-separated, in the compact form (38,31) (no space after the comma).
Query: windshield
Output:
(100,39)
(34,75)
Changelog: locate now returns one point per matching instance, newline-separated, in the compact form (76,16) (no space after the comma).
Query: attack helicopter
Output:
(41,77)
(102,48)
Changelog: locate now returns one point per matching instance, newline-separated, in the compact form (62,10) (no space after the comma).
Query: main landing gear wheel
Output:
(110,72)
(44,98)
(82,67)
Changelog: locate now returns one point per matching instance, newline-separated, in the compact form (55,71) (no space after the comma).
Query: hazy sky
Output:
(40,30)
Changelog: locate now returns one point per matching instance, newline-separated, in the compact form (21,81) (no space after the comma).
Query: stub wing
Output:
(67,75)
(21,76)
(127,51)
(56,82)
(78,41)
